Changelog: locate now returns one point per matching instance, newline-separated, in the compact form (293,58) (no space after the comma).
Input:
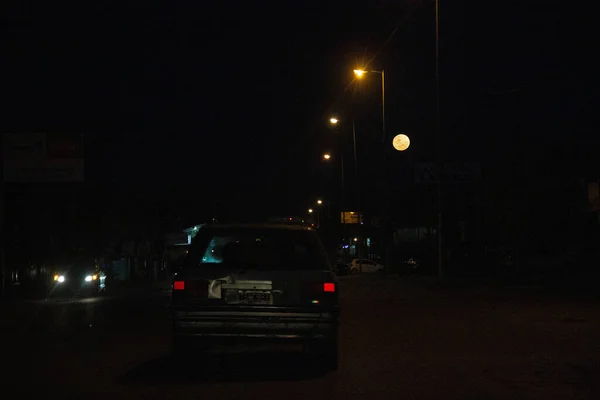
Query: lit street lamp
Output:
(322,203)
(336,121)
(359,74)
(326,156)
(310,210)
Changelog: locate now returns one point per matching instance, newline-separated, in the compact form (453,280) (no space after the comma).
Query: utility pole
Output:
(2,240)
(439,143)
(359,242)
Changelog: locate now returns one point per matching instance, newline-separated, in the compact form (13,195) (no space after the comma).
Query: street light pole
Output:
(387,197)
(359,243)
(383,138)
(439,141)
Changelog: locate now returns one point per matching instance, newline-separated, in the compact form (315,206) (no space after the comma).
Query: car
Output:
(254,284)
(364,265)
(78,279)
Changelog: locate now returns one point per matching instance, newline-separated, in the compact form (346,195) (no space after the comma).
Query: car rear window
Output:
(269,249)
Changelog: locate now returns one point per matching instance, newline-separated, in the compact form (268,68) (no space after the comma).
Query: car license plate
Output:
(255,297)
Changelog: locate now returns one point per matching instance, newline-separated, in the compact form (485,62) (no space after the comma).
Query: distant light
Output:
(61,279)
(359,72)
(319,202)
(401,142)
(326,156)
(310,210)
(356,239)
(88,278)
(333,120)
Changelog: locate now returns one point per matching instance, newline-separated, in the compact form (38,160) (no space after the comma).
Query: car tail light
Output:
(178,285)
(329,287)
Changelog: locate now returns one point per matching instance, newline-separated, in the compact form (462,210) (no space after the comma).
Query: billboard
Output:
(42,157)
(351,217)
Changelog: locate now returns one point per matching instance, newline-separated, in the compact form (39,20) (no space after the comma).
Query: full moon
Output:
(401,142)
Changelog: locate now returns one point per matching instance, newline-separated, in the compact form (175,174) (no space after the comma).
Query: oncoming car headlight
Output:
(59,278)
(88,278)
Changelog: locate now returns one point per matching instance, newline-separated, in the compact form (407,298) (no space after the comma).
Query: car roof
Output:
(276,226)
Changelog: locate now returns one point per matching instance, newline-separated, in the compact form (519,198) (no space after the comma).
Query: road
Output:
(401,338)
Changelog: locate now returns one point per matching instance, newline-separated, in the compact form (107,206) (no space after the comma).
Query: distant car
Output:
(82,280)
(368,266)
(256,283)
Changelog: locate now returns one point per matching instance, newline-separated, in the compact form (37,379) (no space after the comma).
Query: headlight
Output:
(94,277)
(60,279)
(88,278)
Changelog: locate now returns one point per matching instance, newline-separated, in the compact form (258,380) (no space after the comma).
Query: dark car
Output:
(80,280)
(256,284)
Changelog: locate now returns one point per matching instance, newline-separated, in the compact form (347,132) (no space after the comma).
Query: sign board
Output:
(452,173)
(350,217)
(41,157)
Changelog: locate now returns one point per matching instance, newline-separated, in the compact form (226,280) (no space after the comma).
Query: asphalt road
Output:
(401,338)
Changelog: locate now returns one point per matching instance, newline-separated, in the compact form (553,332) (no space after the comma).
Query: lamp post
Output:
(327,204)
(311,211)
(336,121)
(359,74)
(439,141)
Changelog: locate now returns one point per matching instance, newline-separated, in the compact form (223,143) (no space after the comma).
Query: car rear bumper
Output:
(255,325)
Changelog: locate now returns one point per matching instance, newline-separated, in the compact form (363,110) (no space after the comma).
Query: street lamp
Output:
(327,156)
(359,74)
(310,210)
(322,203)
(336,121)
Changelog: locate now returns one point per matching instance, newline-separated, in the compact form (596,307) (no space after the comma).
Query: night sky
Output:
(199,104)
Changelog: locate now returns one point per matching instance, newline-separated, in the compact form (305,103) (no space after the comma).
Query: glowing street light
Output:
(327,156)
(310,210)
(319,202)
(333,120)
(359,72)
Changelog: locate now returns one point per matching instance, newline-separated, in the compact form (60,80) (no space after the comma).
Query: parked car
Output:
(256,283)
(365,265)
